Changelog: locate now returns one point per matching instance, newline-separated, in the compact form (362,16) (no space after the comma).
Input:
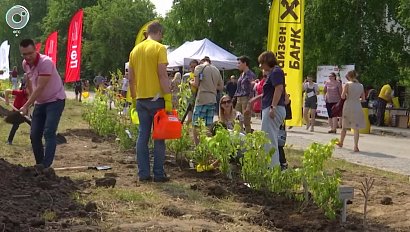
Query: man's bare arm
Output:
(132,82)
(163,79)
(41,85)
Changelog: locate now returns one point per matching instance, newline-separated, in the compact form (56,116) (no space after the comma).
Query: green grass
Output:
(129,195)
(21,152)
(49,215)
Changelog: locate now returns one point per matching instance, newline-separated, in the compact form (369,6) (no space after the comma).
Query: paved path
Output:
(389,153)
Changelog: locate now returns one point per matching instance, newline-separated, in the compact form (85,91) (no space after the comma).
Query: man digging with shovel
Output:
(48,96)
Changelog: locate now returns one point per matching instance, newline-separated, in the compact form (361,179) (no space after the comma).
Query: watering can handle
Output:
(160,113)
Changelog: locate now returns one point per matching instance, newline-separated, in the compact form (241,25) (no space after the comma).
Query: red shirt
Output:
(257,106)
(21,98)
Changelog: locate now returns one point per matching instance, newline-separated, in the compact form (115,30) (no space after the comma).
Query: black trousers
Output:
(13,131)
(282,158)
(380,109)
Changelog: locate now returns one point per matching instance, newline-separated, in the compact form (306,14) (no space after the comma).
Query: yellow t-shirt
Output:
(385,91)
(144,60)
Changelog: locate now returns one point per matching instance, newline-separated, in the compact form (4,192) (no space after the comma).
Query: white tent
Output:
(197,50)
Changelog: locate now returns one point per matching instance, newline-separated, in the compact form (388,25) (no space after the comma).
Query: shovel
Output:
(98,168)
(16,117)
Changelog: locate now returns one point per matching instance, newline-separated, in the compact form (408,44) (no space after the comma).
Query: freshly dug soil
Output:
(277,213)
(35,199)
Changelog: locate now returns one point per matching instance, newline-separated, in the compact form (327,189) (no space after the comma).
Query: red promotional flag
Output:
(38,47)
(51,47)
(73,61)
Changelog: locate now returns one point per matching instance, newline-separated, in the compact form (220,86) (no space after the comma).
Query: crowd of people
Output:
(151,90)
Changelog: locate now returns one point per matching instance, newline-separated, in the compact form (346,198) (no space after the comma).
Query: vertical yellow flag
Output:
(140,37)
(285,39)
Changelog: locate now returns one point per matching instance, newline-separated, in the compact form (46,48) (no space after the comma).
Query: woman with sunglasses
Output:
(273,102)
(228,115)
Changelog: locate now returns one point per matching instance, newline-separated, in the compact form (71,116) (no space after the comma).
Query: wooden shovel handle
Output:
(72,168)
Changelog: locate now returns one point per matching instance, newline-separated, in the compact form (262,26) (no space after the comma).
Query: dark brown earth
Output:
(27,192)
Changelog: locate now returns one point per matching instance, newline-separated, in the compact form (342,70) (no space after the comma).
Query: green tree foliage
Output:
(363,33)
(110,28)
(238,26)
(58,19)
(37,10)
(404,14)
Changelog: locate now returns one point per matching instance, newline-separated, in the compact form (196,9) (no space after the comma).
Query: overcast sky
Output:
(162,6)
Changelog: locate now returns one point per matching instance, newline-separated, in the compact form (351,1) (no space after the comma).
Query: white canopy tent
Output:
(197,50)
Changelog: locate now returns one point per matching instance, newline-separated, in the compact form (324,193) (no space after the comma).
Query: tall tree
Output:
(110,30)
(355,32)
(58,18)
(238,26)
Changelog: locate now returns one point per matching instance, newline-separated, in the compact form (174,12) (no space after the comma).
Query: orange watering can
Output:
(166,126)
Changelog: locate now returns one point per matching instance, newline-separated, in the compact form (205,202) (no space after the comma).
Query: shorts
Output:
(206,112)
(311,103)
(329,108)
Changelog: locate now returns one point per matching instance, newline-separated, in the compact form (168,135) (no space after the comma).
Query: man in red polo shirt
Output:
(48,96)
(19,101)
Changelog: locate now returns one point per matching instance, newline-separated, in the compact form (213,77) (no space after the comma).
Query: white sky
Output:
(162,6)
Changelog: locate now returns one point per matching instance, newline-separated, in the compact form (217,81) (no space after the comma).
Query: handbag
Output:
(337,109)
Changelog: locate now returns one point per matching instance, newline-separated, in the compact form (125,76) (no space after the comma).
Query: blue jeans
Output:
(44,123)
(146,109)
(271,127)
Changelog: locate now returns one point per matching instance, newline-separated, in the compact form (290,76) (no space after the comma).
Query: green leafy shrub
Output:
(323,186)
(255,163)
(223,146)
(201,154)
(181,146)
(115,121)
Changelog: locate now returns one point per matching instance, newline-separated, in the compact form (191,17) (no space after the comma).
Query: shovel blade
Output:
(100,168)
(14,117)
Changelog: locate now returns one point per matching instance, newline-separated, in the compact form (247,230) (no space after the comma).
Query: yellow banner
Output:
(140,37)
(285,39)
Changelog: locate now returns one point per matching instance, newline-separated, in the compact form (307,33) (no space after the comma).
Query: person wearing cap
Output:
(208,80)
(150,92)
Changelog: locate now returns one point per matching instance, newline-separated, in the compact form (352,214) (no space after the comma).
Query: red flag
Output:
(38,47)
(73,61)
(51,47)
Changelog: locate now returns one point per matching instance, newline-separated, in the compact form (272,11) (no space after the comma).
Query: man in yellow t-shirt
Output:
(150,91)
(385,96)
